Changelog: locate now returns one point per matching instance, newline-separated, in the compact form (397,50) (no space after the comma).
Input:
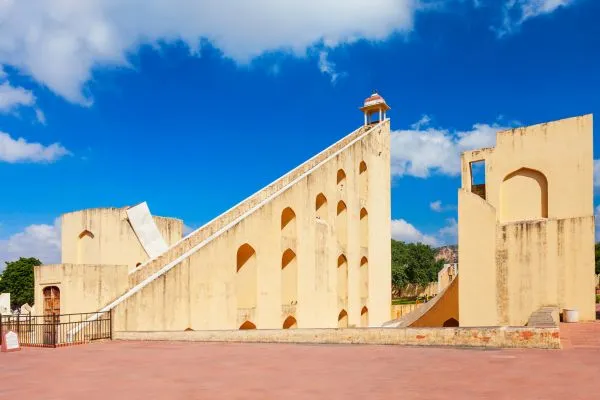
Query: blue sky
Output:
(194,107)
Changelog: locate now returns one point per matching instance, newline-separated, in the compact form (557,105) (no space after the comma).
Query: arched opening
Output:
(364,279)
(84,246)
(524,196)
(342,281)
(246,278)
(343,319)
(341,223)
(363,182)
(321,206)
(364,317)
(288,222)
(247,325)
(451,322)
(290,323)
(341,178)
(289,278)
(138,264)
(364,227)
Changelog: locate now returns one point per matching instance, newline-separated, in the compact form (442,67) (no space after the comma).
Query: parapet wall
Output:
(490,337)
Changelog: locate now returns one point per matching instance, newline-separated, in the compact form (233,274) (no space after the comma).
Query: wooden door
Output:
(51,314)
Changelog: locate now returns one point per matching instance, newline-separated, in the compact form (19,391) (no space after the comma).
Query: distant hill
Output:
(447,253)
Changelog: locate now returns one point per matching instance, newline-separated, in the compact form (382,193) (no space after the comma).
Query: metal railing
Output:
(57,330)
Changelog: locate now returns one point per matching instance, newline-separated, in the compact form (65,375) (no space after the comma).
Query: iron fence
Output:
(56,330)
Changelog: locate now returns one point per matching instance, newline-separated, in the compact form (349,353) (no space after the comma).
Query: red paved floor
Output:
(155,370)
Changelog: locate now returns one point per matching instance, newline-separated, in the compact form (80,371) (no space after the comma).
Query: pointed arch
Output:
(246,277)
(343,319)
(341,177)
(321,206)
(364,227)
(451,322)
(288,218)
(289,278)
(247,325)
(290,323)
(364,317)
(364,279)
(363,181)
(524,196)
(86,233)
(342,281)
(362,167)
(341,223)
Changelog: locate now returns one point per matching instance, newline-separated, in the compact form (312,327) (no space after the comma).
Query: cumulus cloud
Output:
(449,233)
(21,151)
(41,241)
(516,12)
(437,206)
(13,97)
(597,173)
(59,42)
(424,150)
(406,232)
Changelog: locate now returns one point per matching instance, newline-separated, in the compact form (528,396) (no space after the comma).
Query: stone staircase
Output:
(545,317)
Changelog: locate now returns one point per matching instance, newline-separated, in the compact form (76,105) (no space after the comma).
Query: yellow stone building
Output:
(526,231)
(310,250)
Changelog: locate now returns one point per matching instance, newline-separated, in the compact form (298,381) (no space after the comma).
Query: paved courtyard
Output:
(161,370)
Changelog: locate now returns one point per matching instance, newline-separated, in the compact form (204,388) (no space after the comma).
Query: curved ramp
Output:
(441,311)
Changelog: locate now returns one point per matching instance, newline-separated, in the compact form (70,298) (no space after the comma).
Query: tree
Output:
(413,263)
(17,279)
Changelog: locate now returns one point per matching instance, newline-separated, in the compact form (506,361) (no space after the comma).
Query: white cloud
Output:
(40,241)
(597,173)
(424,150)
(59,42)
(516,12)
(19,150)
(449,233)
(187,229)
(437,206)
(327,67)
(13,97)
(406,232)
(3,73)
(41,117)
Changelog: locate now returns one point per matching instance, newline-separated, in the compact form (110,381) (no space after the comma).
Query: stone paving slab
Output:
(188,370)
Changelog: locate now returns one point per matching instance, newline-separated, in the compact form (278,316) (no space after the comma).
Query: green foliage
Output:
(413,263)
(598,299)
(17,279)
(597,258)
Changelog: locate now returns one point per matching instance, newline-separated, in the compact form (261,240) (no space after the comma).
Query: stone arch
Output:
(84,246)
(247,325)
(289,278)
(364,317)
(288,221)
(342,281)
(450,322)
(341,178)
(364,279)
(321,206)
(524,196)
(290,323)
(363,181)
(341,223)
(246,278)
(364,227)
(343,319)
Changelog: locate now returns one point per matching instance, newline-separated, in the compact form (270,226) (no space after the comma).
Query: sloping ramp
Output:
(441,311)
(146,230)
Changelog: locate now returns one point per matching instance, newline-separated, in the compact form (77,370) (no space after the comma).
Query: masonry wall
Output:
(203,291)
(104,236)
(529,243)
(83,288)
